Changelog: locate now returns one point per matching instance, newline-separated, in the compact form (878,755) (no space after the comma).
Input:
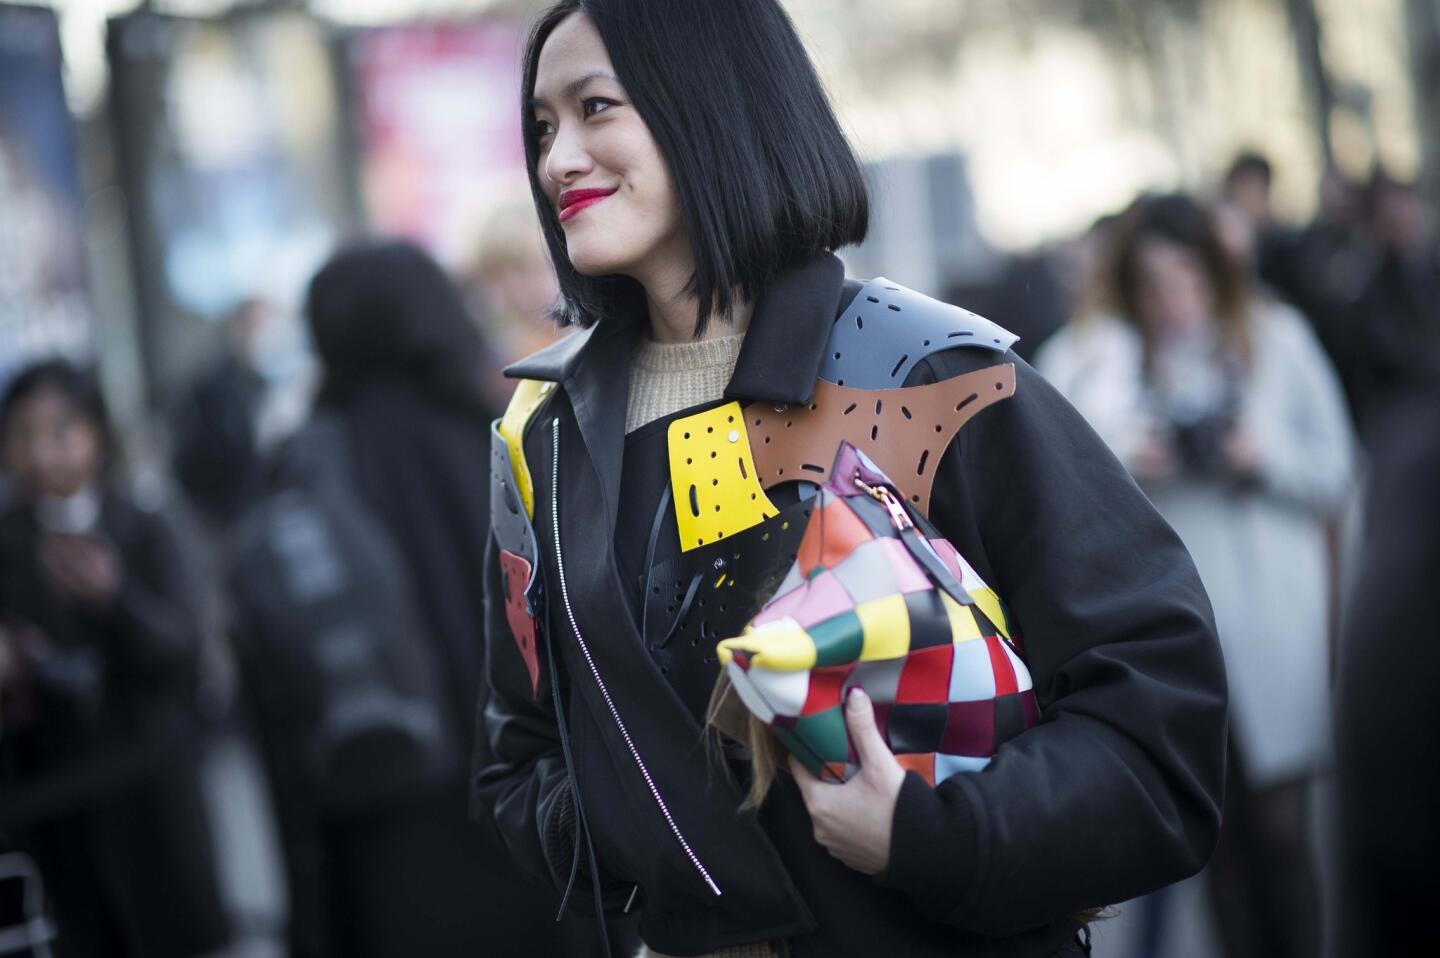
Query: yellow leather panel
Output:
(528,396)
(712,477)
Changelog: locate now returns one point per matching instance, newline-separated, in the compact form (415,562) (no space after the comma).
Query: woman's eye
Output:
(541,129)
(593,105)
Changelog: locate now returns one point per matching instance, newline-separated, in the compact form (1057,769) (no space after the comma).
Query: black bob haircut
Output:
(765,178)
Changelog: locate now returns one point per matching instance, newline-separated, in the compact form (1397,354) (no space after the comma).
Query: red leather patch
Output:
(515,575)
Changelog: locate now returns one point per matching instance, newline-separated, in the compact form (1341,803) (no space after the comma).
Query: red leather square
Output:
(826,683)
(515,575)
(925,679)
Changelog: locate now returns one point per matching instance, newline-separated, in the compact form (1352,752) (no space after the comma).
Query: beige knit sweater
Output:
(668,377)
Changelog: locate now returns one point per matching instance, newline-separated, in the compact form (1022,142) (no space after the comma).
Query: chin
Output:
(596,262)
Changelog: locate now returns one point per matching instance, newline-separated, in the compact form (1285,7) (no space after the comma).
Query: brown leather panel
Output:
(905,431)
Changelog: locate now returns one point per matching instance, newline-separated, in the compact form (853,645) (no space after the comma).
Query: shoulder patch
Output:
(887,329)
(528,396)
(713,477)
(905,431)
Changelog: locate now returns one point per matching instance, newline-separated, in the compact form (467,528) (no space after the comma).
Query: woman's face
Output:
(598,164)
(1173,292)
(51,447)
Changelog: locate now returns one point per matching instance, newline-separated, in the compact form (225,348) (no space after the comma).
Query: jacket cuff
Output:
(934,848)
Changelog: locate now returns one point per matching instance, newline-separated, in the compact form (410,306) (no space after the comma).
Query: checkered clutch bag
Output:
(877,599)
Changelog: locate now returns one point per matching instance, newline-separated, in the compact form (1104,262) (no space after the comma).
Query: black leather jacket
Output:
(1115,793)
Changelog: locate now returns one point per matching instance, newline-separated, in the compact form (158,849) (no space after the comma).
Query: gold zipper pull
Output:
(886,498)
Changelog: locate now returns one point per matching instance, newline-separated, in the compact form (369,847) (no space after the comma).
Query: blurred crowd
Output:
(312,586)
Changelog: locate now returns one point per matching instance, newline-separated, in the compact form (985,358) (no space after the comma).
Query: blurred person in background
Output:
(1247,187)
(1387,712)
(248,398)
(1323,271)
(216,441)
(1229,416)
(1399,322)
(100,628)
(510,285)
(364,656)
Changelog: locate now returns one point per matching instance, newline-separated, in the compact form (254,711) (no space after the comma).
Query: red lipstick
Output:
(571,202)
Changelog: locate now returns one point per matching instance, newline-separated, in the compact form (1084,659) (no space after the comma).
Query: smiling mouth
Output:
(572,202)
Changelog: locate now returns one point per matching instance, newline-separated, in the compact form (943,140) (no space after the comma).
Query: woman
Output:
(100,620)
(693,183)
(1228,414)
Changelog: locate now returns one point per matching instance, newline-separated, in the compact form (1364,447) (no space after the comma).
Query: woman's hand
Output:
(1155,459)
(853,820)
(1242,453)
(84,567)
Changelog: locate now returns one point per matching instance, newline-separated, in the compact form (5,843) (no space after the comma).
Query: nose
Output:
(567,159)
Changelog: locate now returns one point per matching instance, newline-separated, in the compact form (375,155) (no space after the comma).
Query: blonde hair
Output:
(727,716)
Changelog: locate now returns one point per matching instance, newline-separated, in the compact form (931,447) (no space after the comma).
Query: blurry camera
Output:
(1200,443)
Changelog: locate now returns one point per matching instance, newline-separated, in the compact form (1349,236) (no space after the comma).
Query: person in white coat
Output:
(1225,410)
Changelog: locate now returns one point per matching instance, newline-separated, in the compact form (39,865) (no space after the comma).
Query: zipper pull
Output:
(885,497)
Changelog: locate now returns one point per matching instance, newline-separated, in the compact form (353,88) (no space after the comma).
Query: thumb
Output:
(864,733)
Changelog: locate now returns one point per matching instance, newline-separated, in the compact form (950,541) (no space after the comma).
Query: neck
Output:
(673,309)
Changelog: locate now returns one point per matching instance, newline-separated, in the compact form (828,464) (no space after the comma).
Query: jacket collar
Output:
(779,361)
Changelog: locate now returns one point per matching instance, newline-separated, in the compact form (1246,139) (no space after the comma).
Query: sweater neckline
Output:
(685,357)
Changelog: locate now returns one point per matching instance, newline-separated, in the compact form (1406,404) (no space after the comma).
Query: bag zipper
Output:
(595,672)
(885,497)
(903,524)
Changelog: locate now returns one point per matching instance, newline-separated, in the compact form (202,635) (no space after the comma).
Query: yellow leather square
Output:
(886,623)
(963,626)
(989,603)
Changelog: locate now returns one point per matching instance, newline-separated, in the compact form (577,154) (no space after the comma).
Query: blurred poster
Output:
(439,124)
(230,141)
(44,299)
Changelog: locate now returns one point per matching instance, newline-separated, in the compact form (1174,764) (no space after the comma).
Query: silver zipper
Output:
(604,692)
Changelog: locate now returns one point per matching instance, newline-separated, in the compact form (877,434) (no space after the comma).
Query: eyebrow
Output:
(572,88)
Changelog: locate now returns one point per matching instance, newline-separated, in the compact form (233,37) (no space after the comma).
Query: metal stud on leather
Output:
(888,328)
(905,431)
(712,476)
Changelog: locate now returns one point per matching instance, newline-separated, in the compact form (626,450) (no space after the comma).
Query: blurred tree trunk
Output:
(1423,21)
(1305,25)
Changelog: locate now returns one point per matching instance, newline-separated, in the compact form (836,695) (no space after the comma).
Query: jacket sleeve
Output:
(1118,790)
(524,783)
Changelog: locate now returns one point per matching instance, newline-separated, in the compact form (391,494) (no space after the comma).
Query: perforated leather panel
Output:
(508,517)
(712,476)
(905,431)
(888,328)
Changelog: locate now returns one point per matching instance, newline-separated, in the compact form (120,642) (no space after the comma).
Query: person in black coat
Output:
(1387,713)
(693,185)
(100,605)
(403,380)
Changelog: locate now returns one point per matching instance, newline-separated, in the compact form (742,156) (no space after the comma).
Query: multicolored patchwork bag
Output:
(877,599)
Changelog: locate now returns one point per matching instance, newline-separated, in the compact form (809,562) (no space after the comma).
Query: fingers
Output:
(864,733)
(806,781)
